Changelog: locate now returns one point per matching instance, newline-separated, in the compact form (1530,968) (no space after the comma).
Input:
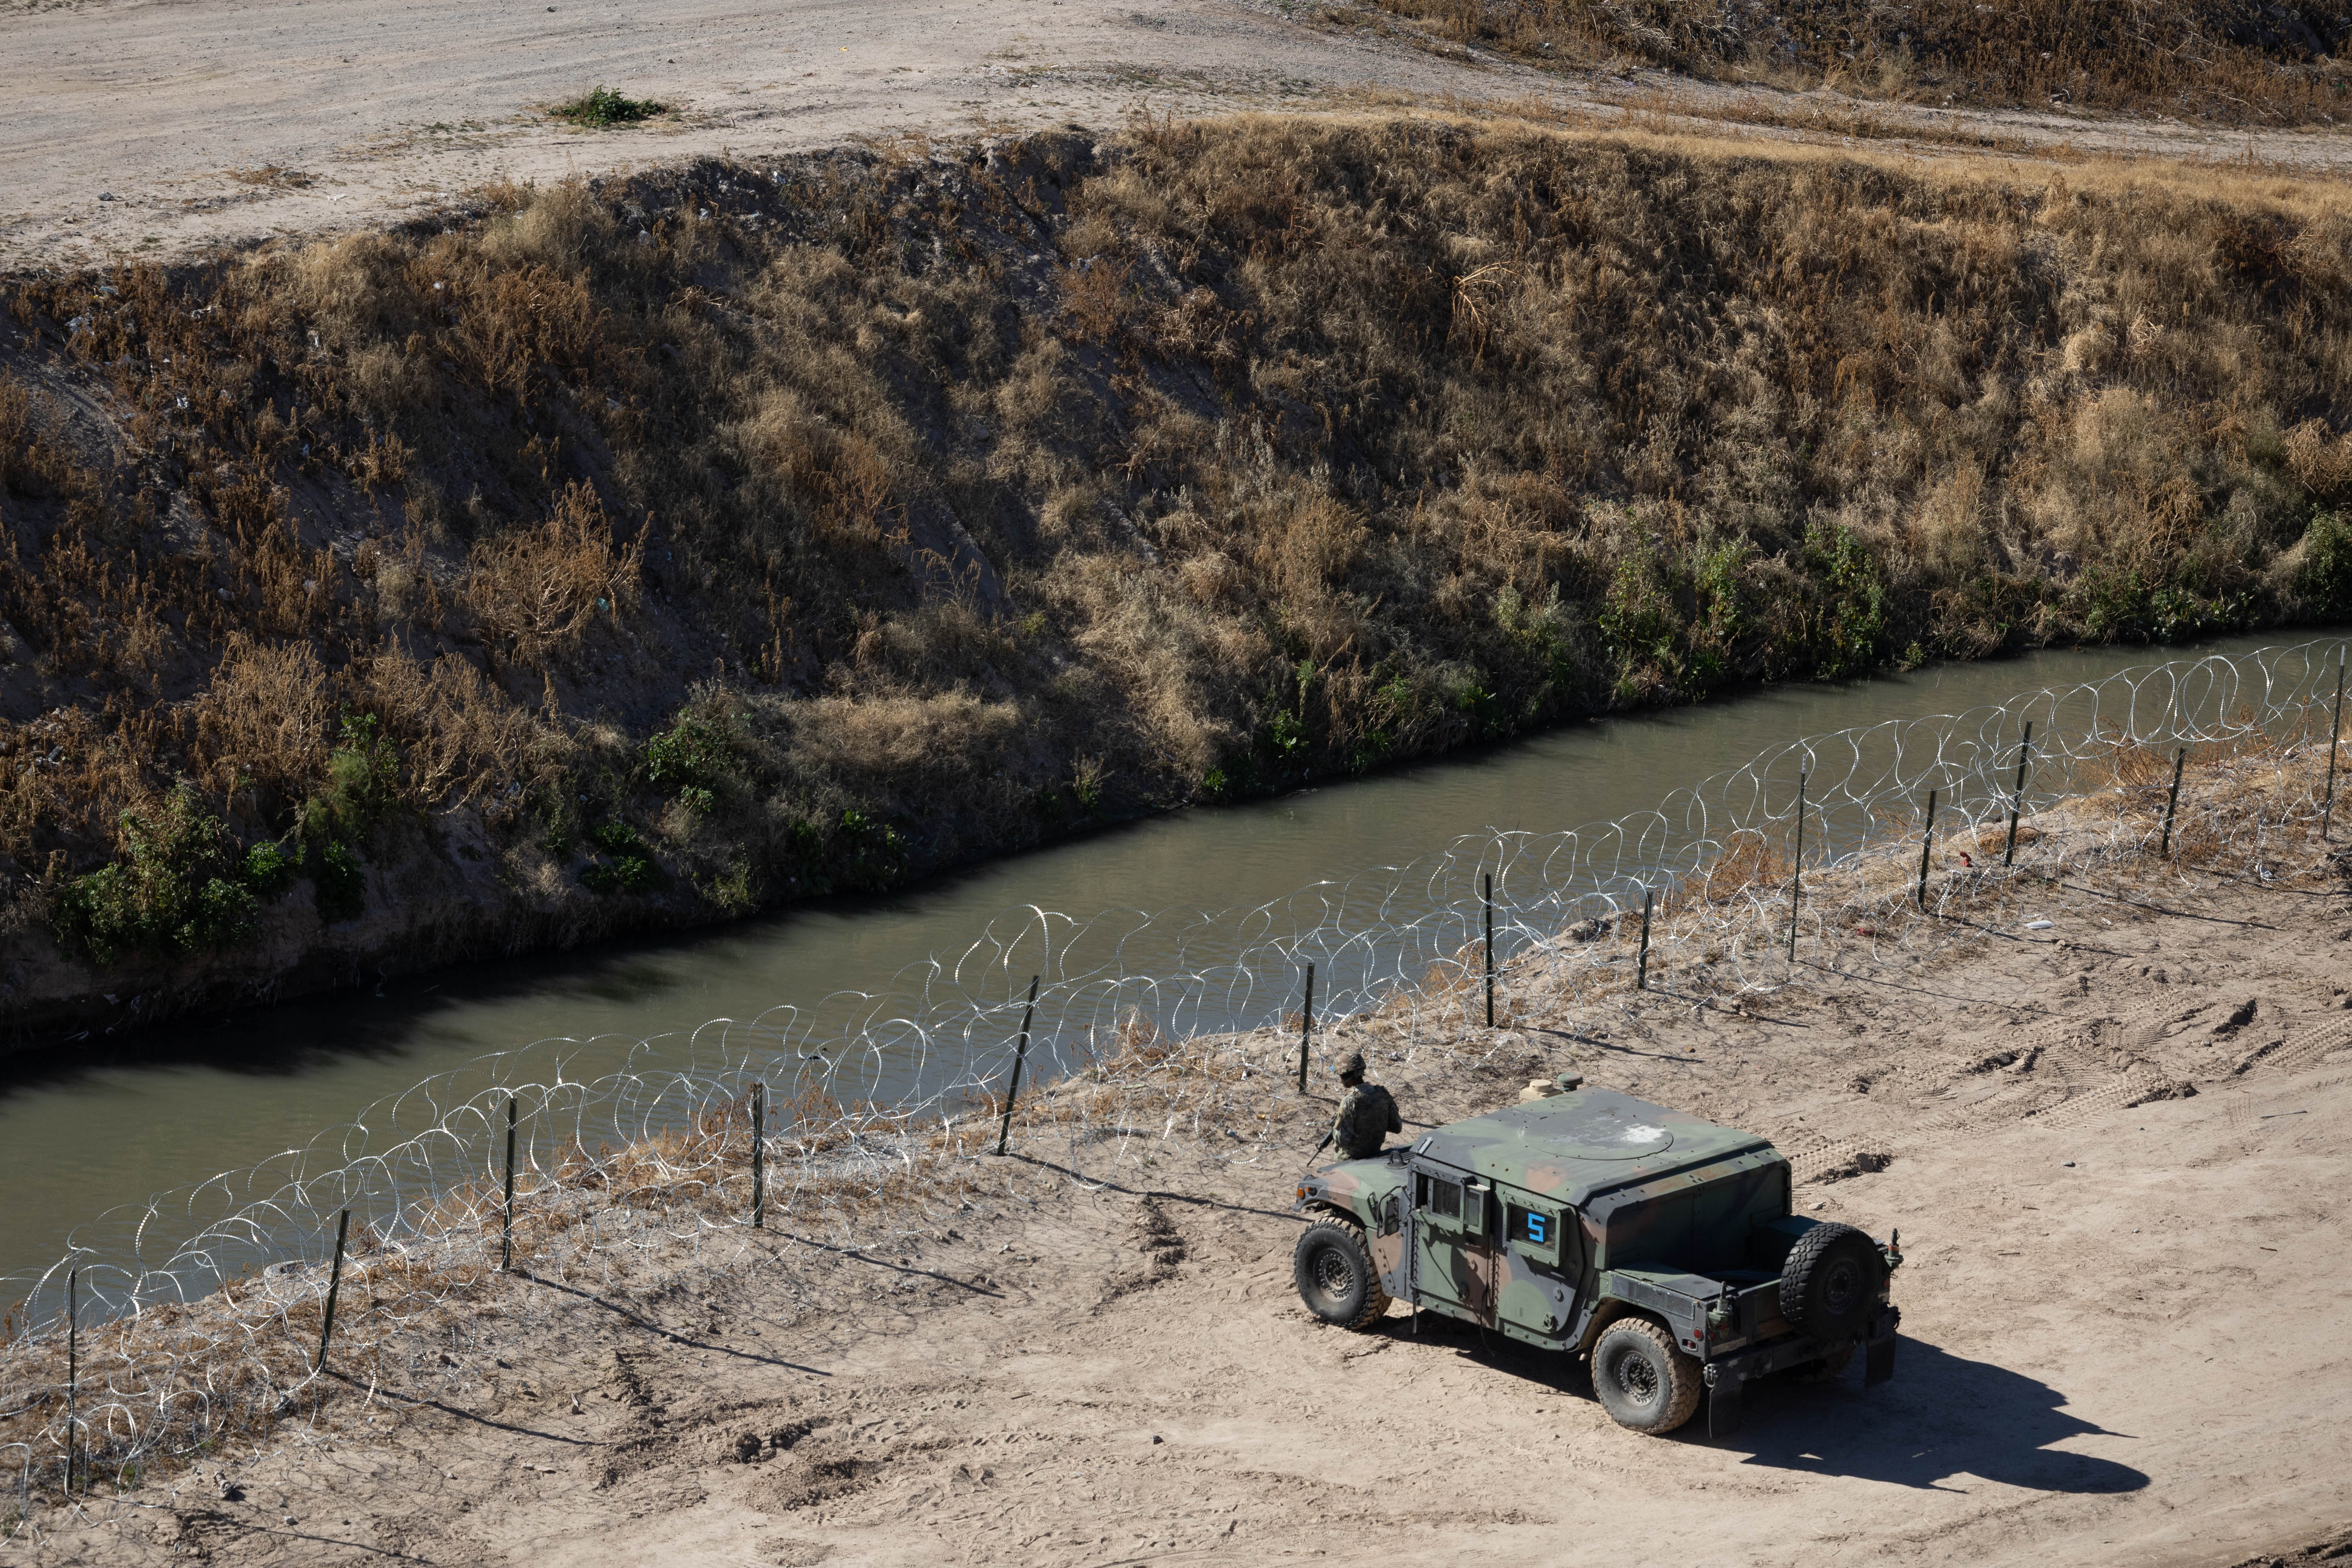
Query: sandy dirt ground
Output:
(162,126)
(2116,1150)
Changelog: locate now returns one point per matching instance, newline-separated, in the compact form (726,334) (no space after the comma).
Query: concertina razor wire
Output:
(199,1315)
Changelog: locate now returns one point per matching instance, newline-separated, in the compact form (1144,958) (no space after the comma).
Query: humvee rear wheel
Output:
(1335,1279)
(1643,1379)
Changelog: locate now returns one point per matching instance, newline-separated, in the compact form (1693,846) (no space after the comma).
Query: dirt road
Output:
(2122,1338)
(158,127)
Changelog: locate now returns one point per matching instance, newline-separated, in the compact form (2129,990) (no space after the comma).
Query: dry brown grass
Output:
(1309,447)
(263,721)
(2321,460)
(2221,60)
(537,590)
(1750,864)
(461,740)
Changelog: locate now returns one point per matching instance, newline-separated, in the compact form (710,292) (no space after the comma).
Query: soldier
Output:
(1368,1113)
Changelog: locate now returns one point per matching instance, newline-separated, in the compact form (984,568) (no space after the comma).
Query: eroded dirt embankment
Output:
(631,551)
(1094,1355)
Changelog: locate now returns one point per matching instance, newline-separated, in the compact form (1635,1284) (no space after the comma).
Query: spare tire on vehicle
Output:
(1829,1287)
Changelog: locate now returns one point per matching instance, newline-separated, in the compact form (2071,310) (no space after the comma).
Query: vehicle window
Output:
(1439,1196)
(1474,1211)
(1536,1231)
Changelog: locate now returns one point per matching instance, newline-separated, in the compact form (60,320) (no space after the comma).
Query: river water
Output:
(187,1100)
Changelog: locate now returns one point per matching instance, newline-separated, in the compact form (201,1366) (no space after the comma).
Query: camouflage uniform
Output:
(1368,1114)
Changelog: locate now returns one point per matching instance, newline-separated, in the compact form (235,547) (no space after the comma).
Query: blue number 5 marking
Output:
(1536,1229)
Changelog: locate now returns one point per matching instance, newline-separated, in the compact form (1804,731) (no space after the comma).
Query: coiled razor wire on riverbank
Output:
(200,1312)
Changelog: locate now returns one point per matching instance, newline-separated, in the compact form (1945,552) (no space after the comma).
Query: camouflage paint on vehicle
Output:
(1525,1219)
(1547,1220)
(1369,1192)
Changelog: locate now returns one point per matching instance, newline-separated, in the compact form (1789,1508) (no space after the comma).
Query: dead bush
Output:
(2322,465)
(263,722)
(841,480)
(460,737)
(513,325)
(1312,547)
(537,589)
(1096,300)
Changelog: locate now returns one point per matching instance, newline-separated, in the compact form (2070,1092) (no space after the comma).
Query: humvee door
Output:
(1448,1232)
(1537,1263)
(1489,1252)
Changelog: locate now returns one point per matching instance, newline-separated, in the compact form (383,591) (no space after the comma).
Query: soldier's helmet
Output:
(1353,1066)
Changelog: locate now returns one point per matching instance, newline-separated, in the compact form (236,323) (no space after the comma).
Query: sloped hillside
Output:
(2242,62)
(630,552)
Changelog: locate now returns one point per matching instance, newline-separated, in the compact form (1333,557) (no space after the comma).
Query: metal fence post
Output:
(1012,1089)
(73,1371)
(1490,949)
(2017,796)
(2172,801)
(2328,808)
(759,1156)
(1926,849)
(1642,964)
(506,1225)
(1797,882)
(1306,1026)
(334,1289)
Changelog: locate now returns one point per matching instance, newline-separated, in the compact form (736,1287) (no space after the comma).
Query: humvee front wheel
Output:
(1333,1269)
(1643,1379)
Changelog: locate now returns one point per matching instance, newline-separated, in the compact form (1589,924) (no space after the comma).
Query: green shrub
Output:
(630,869)
(176,888)
(2113,604)
(601,106)
(2122,607)
(1675,620)
(876,852)
(2176,614)
(270,868)
(1848,631)
(1643,625)
(1484,709)
(2326,580)
(338,886)
(363,784)
(732,890)
(1286,735)
(622,874)
(555,817)
(690,760)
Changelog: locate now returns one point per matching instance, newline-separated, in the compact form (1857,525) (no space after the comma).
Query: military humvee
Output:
(1593,1224)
